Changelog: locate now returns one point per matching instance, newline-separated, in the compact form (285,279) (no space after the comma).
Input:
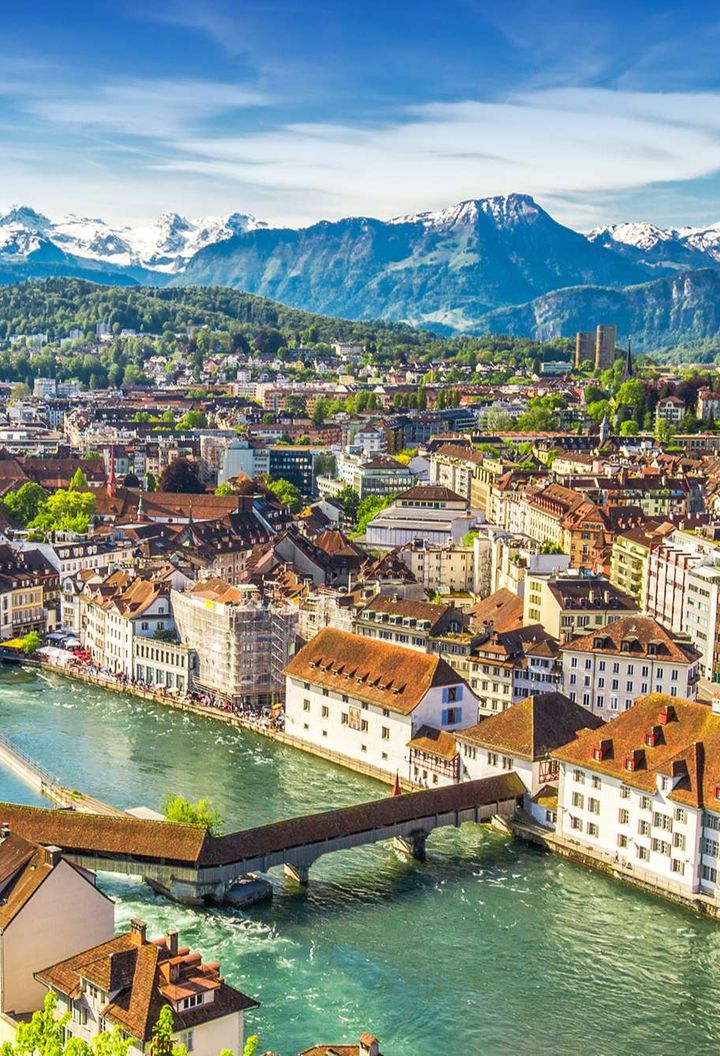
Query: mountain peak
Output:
(25,216)
(503,209)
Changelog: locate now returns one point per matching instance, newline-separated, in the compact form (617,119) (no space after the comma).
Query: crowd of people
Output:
(248,712)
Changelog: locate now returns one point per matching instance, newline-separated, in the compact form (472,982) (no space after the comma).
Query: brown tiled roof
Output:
(637,632)
(686,746)
(140,973)
(116,835)
(435,742)
(532,728)
(337,544)
(362,817)
(369,670)
(503,608)
(431,493)
(412,610)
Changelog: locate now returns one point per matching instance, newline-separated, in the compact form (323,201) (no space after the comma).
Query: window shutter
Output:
(444,717)
(445,695)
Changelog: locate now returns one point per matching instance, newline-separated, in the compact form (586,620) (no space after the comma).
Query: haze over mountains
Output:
(498,264)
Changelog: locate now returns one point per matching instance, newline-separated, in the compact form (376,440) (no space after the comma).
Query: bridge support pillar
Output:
(412,846)
(299,873)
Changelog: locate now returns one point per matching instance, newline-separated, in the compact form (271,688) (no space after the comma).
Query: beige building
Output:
(243,639)
(49,909)
(125,982)
(568,605)
(450,568)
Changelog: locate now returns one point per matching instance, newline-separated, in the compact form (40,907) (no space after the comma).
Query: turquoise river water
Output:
(488,948)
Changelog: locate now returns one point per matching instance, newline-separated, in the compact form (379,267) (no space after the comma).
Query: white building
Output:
(450,568)
(425,512)
(244,456)
(670,410)
(364,700)
(522,738)
(49,909)
(125,982)
(606,670)
(379,475)
(644,793)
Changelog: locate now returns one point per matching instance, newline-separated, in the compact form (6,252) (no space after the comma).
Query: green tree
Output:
(22,505)
(629,428)
(193,420)
(78,481)
(538,419)
(30,642)
(368,508)
(251,1044)
(350,501)
(224,489)
(65,511)
(150,482)
(201,814)
(286,492)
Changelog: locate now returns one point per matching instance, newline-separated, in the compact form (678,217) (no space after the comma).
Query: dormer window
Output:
(193,1001)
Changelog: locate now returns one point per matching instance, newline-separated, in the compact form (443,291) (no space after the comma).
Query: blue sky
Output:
(297,111)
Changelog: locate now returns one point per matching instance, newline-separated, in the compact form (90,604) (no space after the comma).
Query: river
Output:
(488,948)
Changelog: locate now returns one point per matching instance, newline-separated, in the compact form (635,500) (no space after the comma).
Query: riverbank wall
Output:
(230,719)
(641,879)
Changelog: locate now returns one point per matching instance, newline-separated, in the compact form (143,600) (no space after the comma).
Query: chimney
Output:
(53,855)
(138,930)
(171,941)
(369,1045)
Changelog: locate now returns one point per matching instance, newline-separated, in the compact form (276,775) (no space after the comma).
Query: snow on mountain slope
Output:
(164,245)
(648,238)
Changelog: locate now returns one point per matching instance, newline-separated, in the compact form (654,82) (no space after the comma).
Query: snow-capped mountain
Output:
(164,245)
(453,269)
(662,247)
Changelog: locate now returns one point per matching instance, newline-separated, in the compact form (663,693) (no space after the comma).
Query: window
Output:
(592,829)
(451,716)
(326,692)
(579,777)
(623,816)
(596,782)
(306,705)
(709,873)
(679,841)
(644,828)
(325,711)
(188,1041)
(643,853)
(680,815)
(385,733)
(575,823)
(192,1001)
(622,840)
(364,726)
(645,803)
(661,847)
(624,792)
(662,821)
(507,763)
(709,847)
(601,665)
(676,866)
(593,805)
(492,759)
(578,800)
(344,719)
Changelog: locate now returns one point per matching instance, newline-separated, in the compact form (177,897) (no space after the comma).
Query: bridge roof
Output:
(122,837)
(348,821)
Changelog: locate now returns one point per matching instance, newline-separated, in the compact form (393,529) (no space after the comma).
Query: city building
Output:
(428,512)
(605,338)
(584,347)
(569,605)
(242,639)
(363,701)
(630,557)
(451,568)
(367,1046)
(125,982)
(643,793)
(522,738)
(244,456)
(708,405)
(378,475)
(410,623)
(670,409)
(606,670)
(49,909)
(296,465)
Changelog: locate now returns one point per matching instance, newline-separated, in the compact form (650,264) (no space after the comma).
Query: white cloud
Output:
(562,142)
(147,107)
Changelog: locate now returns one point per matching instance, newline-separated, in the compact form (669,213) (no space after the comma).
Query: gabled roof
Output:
(532,728)
(685,748)
(370,670)
(503,609)
(634,636)
(137,973)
